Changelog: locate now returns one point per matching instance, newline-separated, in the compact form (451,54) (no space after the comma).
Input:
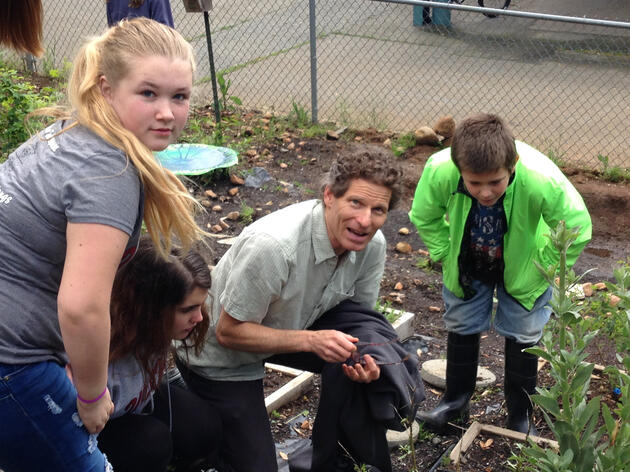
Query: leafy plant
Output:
(227,101)
(402,143)
(247,213)
(612,174)
(299,115)
(387,310)
(18,97)
(571,417)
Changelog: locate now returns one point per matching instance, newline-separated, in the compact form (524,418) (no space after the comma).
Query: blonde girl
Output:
(72,202)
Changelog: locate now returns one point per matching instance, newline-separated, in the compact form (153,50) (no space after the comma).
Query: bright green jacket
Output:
(538,197)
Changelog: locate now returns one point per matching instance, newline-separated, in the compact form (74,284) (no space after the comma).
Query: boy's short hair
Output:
(483,143)
(373,165)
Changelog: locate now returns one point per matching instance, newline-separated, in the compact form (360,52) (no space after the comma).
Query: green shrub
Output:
(18,97)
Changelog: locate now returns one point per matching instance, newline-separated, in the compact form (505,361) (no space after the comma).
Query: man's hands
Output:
(332,345)
(335,346)
(365,371)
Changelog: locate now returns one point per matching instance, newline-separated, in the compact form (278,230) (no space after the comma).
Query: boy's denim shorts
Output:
(511,319)
(40,427)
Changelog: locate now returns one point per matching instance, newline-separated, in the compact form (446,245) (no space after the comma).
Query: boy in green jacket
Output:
(483,208)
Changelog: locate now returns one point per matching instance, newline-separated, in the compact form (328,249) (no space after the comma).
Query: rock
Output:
(210,193)
(291,146)
(233,215)
(403,230)
(283,165)
(332,135)
(614,300)
(426,135)
(206,203)
(403,247)
(236,180)
(233,191)
(400,438)
(587,288)
(445,126)
(217,208)
(257,178)
(398,286)
(434,373)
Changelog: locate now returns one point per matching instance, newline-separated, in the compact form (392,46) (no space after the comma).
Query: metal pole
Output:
(516,13)
(313,44)
(213,77)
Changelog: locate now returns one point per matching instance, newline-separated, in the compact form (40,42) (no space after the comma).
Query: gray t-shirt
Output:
(282,272)
(129,386)
(52,179)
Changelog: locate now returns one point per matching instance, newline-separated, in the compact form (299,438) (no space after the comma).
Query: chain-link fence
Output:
(564,87)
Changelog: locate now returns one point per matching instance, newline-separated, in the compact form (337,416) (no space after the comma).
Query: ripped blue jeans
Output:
(40,427)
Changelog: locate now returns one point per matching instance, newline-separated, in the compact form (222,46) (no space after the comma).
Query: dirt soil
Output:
(297,165)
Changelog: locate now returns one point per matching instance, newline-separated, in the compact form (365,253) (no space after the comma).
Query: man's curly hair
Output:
(373,165)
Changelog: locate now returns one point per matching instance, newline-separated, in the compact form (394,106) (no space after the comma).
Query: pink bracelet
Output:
(94,400)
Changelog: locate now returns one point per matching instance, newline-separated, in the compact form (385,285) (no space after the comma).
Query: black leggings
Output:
(186,434)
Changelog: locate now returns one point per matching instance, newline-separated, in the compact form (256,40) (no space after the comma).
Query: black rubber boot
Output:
(521,372)
(462,357)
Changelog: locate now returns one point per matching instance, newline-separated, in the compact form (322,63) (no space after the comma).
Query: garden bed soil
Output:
(297,165)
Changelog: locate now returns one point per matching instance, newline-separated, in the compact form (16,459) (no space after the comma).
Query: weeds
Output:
(18,98)
(299,115)
(614,173)
(402,143)
(386,309)
(247,213)
(227,101)
(572,418)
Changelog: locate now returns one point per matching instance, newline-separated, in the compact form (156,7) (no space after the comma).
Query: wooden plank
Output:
(289,391)
(284,369)
(465,442)
(508,433)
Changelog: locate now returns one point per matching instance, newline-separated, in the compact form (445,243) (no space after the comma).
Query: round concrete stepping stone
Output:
(434,373)
(399,438)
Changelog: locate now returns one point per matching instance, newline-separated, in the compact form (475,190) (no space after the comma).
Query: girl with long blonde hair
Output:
(72,202)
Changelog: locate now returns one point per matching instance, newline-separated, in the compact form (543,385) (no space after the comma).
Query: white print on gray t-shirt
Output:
(5,197)
(49,137)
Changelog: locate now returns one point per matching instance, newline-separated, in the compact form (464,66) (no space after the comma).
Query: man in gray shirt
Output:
(284,273)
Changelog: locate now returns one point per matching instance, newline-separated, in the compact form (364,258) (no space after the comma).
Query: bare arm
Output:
(330,345)
(92,258)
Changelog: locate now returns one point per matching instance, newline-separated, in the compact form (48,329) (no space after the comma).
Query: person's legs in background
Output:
(137,443)
(522,328)
(247,443)
(465,320)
